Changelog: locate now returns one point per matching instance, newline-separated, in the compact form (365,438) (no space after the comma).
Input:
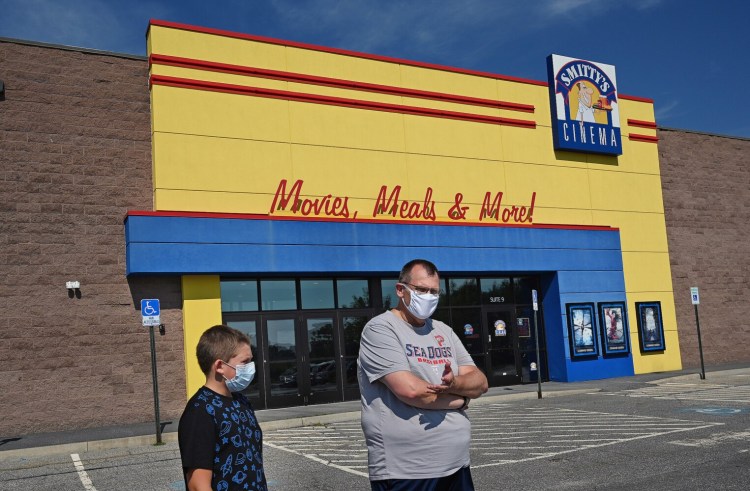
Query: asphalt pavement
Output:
(81,441)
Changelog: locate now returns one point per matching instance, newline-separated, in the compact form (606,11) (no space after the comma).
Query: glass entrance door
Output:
(319,360)
(502,346)
(256,391)
(352,324)
(283,364)
(301,360)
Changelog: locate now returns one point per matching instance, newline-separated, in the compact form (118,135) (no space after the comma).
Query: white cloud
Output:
(667,111)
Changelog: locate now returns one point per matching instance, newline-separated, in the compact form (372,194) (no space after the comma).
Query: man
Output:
(585,106)
(416,380)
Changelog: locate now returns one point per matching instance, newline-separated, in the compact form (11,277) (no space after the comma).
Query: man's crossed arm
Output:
(449,394)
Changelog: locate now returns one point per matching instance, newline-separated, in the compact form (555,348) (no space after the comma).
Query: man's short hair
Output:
(405,275)
(219,343)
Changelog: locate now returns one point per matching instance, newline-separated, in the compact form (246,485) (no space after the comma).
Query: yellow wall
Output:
(221,152)
(201,309)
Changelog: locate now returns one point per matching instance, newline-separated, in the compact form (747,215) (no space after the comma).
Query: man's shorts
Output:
(458,481)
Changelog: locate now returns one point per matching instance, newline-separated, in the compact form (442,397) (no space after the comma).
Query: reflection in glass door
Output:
(282,362)
(352,326)
(530,367)
(502,353)
(321,359)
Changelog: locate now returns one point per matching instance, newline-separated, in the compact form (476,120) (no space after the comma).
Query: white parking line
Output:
(691,392)
(344,468)
(85,479)
(529,433)
(715,439)
(587,447)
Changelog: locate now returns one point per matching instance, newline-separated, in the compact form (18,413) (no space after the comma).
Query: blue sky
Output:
(691,56)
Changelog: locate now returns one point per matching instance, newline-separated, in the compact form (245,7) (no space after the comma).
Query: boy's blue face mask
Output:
(244,374)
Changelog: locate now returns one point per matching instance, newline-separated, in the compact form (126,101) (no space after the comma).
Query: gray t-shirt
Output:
(403,441)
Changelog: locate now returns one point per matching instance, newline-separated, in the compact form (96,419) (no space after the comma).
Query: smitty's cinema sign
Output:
(584,106)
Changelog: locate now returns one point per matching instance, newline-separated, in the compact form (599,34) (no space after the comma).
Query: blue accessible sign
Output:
(150,311)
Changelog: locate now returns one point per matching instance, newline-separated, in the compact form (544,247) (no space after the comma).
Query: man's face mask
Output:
(421,305)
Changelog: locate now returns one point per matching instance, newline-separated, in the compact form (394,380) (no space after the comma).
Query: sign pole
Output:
(696,300)
(536,338)
(150,312)
(156,385)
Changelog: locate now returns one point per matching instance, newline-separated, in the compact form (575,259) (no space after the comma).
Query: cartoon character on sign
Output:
(468,330)
(500,329)
(585,107)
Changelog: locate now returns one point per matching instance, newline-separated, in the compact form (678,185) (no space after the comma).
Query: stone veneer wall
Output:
(706,188)
(75,154)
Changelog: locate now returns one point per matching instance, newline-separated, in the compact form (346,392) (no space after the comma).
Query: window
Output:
(239,296)
(523,286)
(388,290)
(463,291)
(496,291)
(353,294)
(278,294)
(316,294)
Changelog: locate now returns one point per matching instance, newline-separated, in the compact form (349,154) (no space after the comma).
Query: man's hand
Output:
(470,382)
(412,390)
(448,380)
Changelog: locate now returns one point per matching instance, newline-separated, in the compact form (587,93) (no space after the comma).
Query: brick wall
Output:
(75,154)
(706,183)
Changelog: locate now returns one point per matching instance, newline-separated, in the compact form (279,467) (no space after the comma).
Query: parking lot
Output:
(502,434)
(625,435)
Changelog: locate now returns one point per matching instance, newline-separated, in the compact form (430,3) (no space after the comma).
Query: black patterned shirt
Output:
(221,434)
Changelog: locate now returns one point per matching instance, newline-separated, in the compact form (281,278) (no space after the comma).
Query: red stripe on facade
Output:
(643,138)
(334,101)
(356,54)
(634,98)
(254,216)
(156,59)
(323,49)
(642,124)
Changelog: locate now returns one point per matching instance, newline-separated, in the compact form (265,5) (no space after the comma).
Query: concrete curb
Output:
(171,437)
(711,377)
(83,447)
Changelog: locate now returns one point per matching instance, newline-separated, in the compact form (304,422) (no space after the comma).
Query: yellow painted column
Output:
(201,309)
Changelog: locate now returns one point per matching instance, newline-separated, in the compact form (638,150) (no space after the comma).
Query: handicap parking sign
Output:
(150,311)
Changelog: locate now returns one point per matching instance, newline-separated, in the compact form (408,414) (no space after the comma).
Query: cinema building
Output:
(279,187)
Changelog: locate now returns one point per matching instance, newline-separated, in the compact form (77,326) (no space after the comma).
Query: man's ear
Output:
(400,290)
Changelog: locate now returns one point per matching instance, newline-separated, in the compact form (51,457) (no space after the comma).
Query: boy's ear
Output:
(218,367)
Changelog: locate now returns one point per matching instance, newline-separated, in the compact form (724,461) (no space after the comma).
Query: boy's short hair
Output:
(219,343)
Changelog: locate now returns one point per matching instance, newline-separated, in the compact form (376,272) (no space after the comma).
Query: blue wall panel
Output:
(591,281)
(281,258)
(166,229)
(576,265)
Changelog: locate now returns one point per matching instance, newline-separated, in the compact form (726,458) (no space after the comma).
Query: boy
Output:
(221,443)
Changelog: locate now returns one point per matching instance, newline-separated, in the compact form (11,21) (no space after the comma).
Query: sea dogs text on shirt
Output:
(584,103)
(433,355)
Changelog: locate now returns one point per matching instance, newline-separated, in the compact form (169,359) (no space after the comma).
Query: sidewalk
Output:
(144,434)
